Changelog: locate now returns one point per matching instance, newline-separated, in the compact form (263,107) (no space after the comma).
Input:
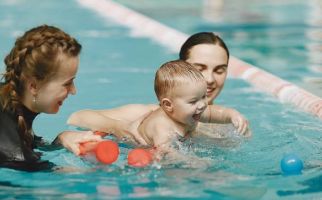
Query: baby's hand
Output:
(240,123)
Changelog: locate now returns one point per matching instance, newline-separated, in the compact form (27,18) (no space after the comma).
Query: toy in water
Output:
(108,151)
(291,164)
(105,151)
(139,157)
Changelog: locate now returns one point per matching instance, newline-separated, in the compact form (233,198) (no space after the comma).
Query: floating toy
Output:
(86,147)
(291,164)
(139,157)
(105,151)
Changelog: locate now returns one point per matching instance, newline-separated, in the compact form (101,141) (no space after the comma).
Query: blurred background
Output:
(283,37)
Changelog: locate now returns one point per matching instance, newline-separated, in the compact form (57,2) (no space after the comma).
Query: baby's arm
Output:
(163,148)
(219,114)
(161,138)
(164,139)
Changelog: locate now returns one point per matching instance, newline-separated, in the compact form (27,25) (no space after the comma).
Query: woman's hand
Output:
(72,139)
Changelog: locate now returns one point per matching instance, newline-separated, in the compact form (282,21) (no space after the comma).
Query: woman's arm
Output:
(128,112)
(93,120)
(118,121)
(110,121)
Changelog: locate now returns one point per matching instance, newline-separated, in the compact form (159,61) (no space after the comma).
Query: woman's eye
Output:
(220,71)
(68,84)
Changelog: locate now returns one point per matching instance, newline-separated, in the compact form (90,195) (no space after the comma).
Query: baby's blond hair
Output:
(172,74)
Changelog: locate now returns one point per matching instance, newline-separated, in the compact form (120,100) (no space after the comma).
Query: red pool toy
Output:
(105,151)
(139,157)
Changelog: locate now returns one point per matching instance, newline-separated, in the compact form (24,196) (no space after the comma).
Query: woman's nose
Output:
(210,79)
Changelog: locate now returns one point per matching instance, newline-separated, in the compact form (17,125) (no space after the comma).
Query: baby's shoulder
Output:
(157,125)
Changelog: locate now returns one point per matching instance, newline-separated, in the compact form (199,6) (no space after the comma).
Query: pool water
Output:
(282,37)
(117,68)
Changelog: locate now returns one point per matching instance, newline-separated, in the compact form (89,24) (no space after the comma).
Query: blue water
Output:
(117,69)
(282,37)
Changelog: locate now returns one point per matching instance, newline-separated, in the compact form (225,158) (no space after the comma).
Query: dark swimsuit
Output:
(14,153)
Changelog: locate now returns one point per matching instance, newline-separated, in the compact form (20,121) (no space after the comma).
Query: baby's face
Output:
(211,60)
(189,102)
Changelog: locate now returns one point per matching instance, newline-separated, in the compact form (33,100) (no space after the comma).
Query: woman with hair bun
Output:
(206,52)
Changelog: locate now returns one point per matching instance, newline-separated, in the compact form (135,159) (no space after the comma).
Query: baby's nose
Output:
(202,105)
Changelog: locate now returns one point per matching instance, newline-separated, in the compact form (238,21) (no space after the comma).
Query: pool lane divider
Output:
(143,26)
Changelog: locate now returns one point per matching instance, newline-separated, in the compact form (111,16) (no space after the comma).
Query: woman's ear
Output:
(32,86)
(166,105)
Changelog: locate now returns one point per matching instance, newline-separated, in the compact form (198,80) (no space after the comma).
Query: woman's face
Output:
(52,93)
(212,61)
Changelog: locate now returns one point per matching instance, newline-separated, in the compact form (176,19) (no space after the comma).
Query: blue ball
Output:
(291,164)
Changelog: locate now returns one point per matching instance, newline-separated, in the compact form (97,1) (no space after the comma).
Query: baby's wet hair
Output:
(172,74)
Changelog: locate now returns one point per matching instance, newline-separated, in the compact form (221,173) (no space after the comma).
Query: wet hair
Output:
(201,38)
(172,74)
(34,55)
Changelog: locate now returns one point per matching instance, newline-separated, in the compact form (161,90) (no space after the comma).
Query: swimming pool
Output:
(276,35)
(118,68)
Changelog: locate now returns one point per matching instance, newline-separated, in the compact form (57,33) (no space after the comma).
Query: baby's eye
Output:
(199,68)
(193,102)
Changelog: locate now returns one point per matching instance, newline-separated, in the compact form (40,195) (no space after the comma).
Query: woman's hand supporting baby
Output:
(95,121)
